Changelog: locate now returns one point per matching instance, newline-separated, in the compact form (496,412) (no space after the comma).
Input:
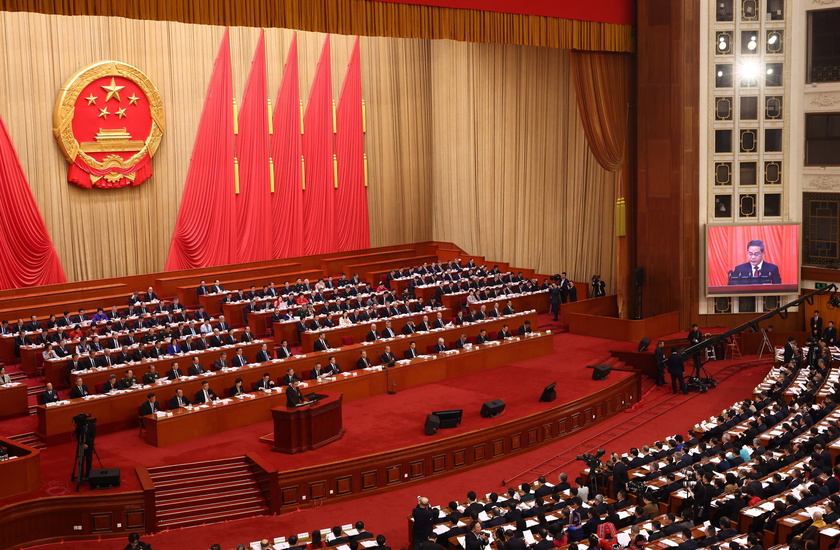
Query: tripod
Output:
(765,344)
(81,455)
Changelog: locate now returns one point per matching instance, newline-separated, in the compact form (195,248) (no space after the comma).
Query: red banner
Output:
(621,12)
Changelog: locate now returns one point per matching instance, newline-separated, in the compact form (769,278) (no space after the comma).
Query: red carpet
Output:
(371,424)
(518,385)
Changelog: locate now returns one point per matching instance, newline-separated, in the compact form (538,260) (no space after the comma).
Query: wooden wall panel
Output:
(668,162)
(443,456)
(51,519)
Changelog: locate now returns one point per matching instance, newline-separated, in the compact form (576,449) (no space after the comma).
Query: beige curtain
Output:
(514,179)
(360,17)
(477,144)
(602,83)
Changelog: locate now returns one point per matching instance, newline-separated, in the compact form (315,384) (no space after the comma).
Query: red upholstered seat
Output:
(347,341)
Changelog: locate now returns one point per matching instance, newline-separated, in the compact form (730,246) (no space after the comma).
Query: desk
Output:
(22,473)
(521,302)
(429,338)
(120,411)
(358,332)
(309,427)
(222,415)
(14,400)
(185,425)
(55,370)
(31,356)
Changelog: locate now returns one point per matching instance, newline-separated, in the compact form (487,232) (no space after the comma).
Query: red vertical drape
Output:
(287,200)
(351,195)
(27,254)
(204,231)
(253,204)
(319,222)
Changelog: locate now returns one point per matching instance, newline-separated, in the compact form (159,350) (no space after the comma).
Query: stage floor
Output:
(373,425)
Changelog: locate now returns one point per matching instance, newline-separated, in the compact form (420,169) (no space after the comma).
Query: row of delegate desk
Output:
(56,370)
(120,411)
(287,330)
(197,421)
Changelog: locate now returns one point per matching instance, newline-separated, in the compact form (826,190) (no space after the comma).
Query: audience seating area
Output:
(762,474)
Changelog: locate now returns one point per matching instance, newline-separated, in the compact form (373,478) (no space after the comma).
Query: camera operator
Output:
(702,491)
(476,539)
(598,286)
(85,436)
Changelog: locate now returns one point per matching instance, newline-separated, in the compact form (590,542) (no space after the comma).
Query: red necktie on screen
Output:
(755,271)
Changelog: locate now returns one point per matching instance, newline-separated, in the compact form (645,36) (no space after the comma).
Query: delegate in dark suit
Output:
(176,402)
(676,368)
(149,408)
(79,391)
(201,397)
(49,396)
(294,397)
(747,274)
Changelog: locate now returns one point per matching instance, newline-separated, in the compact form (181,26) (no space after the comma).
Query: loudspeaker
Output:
(644,343)
(600,372)
(492,408)
(549,394)
(103,479)
(432,424)
(639,276)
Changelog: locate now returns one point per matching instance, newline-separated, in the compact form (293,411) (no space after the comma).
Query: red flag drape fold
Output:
(351,195)
(286,151)
(204,231)
(27,254)
(253,204)
(319,222)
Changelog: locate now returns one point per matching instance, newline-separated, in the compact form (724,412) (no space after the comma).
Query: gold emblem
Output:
(108,141)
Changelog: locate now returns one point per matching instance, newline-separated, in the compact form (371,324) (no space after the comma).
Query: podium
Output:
(309,427)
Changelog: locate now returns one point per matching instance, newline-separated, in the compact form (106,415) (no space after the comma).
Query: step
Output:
(199,471)
(198,496)
(190,512)
(215,518)
(29,439)
(195,466)
(206,480)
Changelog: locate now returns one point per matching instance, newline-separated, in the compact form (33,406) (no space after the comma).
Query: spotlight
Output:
(720,73)
(773,39)
(834,302)
(752,44)
(769,71)
(722,45)
(749,70)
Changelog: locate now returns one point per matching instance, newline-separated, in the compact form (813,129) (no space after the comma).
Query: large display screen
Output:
(752,259)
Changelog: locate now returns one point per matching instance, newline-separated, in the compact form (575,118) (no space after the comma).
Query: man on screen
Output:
(756,271)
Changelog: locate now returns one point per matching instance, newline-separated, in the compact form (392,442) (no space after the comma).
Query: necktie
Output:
(179,402)
(755,271)
(206,397)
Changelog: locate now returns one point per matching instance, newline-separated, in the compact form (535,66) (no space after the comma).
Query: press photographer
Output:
(598,286)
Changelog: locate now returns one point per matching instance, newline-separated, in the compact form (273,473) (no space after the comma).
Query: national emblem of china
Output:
(108,121)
